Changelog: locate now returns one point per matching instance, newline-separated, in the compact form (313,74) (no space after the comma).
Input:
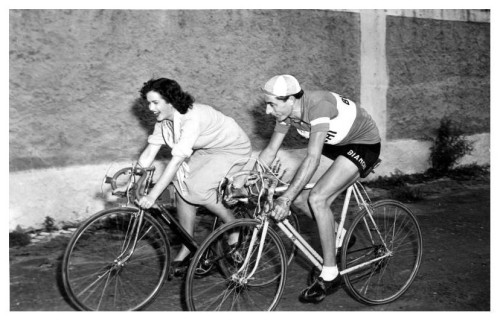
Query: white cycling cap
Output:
(282,85)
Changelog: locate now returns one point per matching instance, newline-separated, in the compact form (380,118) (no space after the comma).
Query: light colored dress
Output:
(211,142)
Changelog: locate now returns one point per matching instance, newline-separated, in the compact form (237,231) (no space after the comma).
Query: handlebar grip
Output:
(139,184)
(143,171)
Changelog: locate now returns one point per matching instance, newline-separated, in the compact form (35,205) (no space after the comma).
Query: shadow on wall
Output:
(147,122)
(262,132)
(264,126)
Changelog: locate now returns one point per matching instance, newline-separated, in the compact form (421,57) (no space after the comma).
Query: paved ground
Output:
(454,276)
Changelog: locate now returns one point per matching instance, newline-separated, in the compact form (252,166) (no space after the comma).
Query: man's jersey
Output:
(324,111)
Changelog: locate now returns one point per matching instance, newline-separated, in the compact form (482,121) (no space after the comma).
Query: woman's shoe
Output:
(235,254)
(179,268)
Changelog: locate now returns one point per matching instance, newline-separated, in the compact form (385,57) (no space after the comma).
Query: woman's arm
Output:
(166,178)
(148,155)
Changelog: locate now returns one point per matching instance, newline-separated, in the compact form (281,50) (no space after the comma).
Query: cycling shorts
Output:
(362,155)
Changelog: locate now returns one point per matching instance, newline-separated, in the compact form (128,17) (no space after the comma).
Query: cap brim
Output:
(268,92)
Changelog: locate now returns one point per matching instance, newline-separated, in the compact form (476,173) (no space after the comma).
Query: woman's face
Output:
(159,106)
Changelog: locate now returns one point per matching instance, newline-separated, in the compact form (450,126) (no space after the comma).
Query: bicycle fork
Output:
(244,266)
(132,238)
(128,248)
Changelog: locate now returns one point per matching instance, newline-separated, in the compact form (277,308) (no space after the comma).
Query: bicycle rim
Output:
(92,275)
(227,288)
(384,279)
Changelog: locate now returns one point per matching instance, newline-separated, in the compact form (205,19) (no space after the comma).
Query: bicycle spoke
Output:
(100,271)
(231,288)
(396,246)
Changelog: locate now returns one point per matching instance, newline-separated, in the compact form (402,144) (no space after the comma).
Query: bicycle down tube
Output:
(173,223)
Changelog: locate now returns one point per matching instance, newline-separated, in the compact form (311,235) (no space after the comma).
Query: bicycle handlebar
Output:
(256,184)
(280,187)
(143,172)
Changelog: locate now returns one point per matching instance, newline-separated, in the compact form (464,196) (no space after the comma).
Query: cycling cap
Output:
(282,85)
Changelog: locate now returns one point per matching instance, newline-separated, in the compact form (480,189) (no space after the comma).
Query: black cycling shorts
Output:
(362,155)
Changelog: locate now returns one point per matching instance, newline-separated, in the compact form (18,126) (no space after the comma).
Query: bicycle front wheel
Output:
(244,281)
(96,273)
(386,253)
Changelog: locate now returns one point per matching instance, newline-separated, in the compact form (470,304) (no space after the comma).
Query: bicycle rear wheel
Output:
(231,288)
(95,276)
(389,269)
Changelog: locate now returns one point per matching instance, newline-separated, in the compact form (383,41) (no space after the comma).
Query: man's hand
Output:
(146,201)
(281,208)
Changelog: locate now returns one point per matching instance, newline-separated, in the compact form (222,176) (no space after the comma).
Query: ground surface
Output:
(454,275)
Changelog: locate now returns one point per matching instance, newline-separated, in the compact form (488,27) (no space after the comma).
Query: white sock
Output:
(329,273)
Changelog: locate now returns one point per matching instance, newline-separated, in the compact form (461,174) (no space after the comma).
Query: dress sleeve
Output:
(156,137)
(190,131)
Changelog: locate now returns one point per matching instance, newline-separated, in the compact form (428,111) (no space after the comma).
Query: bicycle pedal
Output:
(313,274)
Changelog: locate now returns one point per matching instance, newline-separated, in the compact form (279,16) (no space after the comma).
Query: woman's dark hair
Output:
(170,91)
(297,95)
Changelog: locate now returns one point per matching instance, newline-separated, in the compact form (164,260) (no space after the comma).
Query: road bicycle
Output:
(379,256)
(119,258)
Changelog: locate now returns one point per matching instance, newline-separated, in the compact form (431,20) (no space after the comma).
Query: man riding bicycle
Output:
(336,128)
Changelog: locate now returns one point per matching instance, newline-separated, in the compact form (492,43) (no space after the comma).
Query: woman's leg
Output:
(226,215)
(341,174)
(186,214)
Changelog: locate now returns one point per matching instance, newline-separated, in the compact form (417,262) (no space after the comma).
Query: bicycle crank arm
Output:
(357,267)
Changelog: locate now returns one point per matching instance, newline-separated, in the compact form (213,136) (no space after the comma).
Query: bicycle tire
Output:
(242,210)
(227,289)
(92,278)
(387,279)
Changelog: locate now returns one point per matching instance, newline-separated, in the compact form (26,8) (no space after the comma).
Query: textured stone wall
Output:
(437,68)
(75,74)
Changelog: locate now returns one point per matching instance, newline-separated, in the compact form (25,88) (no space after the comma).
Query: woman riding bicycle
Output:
(204,145)
(336,128)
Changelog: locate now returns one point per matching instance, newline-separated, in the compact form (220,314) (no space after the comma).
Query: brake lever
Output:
(221,189)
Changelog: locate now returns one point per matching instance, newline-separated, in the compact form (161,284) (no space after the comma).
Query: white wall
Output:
(71,194)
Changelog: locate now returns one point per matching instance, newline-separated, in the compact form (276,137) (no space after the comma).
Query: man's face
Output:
(281,110)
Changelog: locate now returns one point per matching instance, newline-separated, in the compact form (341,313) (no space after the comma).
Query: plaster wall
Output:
(74,77)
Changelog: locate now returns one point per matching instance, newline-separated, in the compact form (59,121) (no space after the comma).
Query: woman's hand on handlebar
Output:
(146,201)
